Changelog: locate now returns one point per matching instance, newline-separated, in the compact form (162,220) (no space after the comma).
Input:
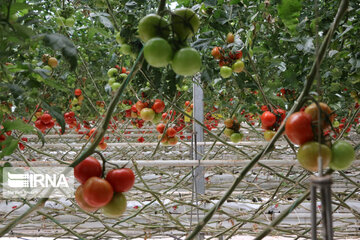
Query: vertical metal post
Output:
(313,213)
(324,185)
(198,113)
(198,136)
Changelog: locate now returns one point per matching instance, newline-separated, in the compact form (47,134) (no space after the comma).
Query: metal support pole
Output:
(198,113)
(324,185)
(313,213)
(198,150)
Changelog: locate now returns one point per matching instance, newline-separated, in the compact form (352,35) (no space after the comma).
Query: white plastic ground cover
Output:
(220,173)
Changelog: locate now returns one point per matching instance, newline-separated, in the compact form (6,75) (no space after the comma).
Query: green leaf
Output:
(10,144)
(106,22)
(59,42)
(15,89)
(56,114)
(17,6)
(18,125)
(55,84)
(289,12)
(41,136)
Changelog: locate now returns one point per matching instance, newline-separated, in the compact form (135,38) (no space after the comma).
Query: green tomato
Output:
(151,26)
(69,22)
(238,66)
(48,68)
(186,62)
(75,101)
(157,118)
(60,21)
(225,72)
(185,88)
(185,23)
(115,86)
(126,49)
(147,114)
(228,132)
(78,108)
(111,81)
(236,137)
(308,155)
(116,207)
(343,154)
(112,72)
(123,76)
(158,52)
(269,134)
(119,39)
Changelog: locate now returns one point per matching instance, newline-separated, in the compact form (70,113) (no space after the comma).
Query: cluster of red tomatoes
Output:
(169,137)
(91,134)
(232,130)
(148,110)
(161,48)
(287,94)
(116,76)
(70,119)
(96,192)
(77,100)
(229,60)
(271,121)
(302,127)
(44,121)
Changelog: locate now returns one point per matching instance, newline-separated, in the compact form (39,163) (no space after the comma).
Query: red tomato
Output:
(298,128)
(235,55)
(187,103)
(2,137)
(158,106)
(40,125)
(50,124)
(268,119)
(97,192)
(133,108)
(45,118)
(215,52)
(160,127)
(171,132)
(123,70)
(79,198)
(239,54)
(121,180)
(89,167)
(69,115)
(139,105)
(78,92)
